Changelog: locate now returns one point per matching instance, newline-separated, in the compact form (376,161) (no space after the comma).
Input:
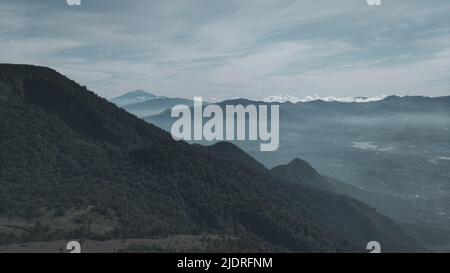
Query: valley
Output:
(393,149)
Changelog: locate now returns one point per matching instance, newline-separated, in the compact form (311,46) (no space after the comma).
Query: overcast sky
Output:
(236,48)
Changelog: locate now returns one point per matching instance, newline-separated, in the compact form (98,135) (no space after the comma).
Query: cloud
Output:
(348,99)
(234,48)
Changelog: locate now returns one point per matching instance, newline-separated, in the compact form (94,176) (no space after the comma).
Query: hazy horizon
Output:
(288,97)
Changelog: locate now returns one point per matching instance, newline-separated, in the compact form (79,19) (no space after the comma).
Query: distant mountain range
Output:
(73,165)
(143,104)
(133,97)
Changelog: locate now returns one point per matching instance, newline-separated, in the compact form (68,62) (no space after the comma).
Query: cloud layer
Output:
(235,48)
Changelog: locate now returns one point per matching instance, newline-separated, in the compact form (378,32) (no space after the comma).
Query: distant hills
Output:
(73,165)
(156,106)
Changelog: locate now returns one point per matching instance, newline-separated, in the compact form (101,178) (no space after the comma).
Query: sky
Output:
(236,48)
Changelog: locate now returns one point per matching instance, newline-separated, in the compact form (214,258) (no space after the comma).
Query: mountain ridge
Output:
(131,180)
(300,171)
(155,106)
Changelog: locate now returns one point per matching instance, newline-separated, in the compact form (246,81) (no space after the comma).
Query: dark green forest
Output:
(73,165)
